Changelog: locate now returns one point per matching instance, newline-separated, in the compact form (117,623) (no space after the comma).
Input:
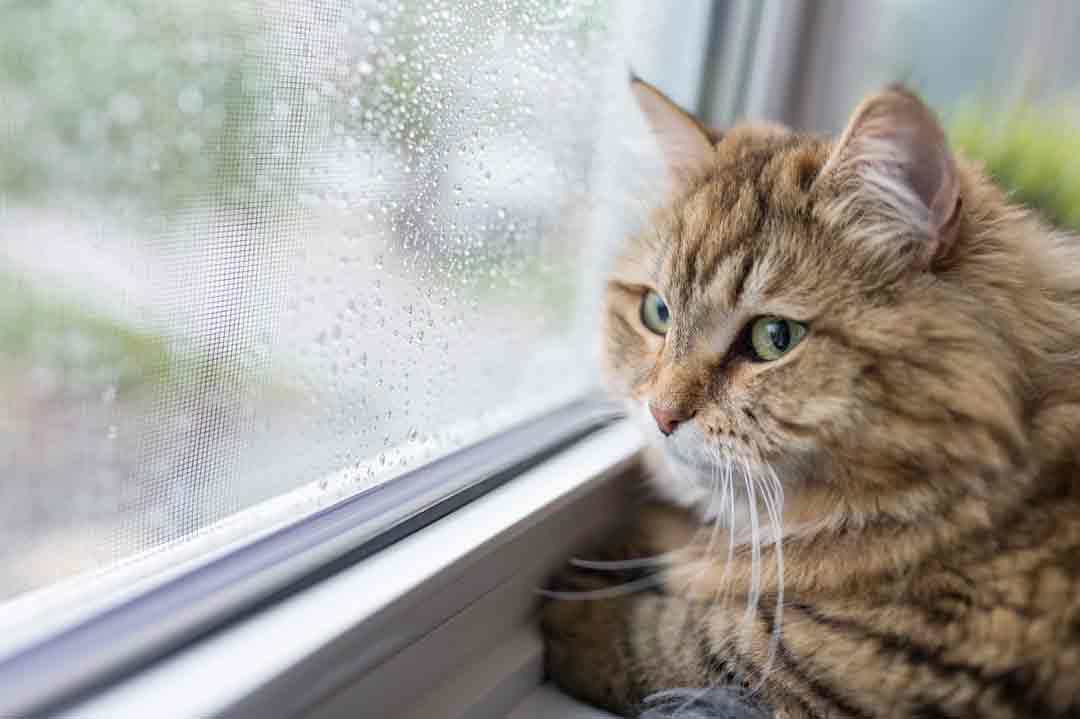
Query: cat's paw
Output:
(585,641)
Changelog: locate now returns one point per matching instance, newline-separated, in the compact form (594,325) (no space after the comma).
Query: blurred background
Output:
(255,251)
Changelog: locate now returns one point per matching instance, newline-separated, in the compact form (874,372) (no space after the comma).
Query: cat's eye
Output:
(655,313)
(773,337)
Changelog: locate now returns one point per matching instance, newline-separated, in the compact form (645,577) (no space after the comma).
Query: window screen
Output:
(258,256)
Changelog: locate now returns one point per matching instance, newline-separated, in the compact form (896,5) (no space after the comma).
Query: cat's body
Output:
(924,433)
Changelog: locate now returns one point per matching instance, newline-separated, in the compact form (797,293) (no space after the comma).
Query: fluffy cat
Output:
(861,367)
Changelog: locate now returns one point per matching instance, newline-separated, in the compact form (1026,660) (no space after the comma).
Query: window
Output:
(263,259)
(261,256)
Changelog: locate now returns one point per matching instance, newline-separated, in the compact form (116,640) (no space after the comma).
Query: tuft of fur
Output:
(884,522)
(719,703)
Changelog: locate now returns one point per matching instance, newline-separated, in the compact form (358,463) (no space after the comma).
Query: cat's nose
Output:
(668,419)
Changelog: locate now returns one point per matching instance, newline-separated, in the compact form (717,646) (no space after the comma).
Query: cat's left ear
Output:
(896,150)
(685,143)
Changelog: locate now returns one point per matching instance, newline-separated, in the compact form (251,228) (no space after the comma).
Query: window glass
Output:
(252,248)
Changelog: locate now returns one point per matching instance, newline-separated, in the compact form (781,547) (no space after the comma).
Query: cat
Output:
(860,364)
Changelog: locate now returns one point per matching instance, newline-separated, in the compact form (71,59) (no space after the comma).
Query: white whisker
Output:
(723,589)
(772,492)
(755,547)
(615,565)
(606,592)
(729,481)
(713,498)
(722,478)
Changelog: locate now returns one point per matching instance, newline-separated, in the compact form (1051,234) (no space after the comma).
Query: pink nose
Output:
(666,419)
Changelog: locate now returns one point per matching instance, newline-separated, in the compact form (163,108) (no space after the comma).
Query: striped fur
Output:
(924,440)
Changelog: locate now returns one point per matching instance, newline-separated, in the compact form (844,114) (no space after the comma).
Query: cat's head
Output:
(814,308)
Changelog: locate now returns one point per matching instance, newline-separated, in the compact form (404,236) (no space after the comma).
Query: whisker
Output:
(618,590)
(778,542)
(761,490)
(716,506)
(715,520)
(651,580)
(615,565)
(755,546)
(730,482)
(723,590)
(772,494)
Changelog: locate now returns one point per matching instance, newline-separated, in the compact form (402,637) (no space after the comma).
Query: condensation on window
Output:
(251,247)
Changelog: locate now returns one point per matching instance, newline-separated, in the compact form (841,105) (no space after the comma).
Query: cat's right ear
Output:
(684,142)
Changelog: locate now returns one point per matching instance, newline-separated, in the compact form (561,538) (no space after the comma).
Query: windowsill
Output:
(46,612)
(444,617)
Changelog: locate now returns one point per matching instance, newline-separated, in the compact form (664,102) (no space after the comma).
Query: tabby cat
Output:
(861,367)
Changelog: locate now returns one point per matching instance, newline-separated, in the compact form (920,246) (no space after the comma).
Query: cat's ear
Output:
(896,150)
(685,143)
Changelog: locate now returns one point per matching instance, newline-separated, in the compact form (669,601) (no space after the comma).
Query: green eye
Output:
(655,314)
(773,337)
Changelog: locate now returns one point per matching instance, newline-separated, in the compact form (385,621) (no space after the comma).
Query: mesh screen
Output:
(249,247)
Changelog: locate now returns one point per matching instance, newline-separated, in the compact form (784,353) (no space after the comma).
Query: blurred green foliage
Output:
(1033,152)
(119,99)
(157,105)
(72,339)
(137,104)
(63,336)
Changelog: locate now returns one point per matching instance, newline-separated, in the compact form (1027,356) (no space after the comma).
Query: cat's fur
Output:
(924,437)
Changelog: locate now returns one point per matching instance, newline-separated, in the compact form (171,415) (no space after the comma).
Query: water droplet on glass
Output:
(125,109)
(190,100)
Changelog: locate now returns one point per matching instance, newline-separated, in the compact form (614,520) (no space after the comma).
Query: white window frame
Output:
(443,618)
